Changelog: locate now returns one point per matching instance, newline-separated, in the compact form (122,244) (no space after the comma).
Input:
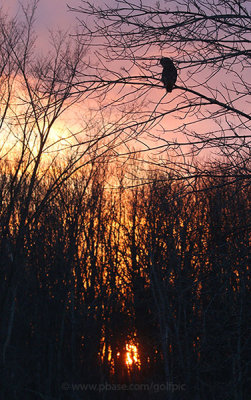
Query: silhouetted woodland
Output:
(163,265)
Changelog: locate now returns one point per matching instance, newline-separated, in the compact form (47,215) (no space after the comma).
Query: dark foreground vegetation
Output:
(162,266)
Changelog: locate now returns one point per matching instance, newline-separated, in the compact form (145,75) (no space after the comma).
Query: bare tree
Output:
(35,92)
(209,44)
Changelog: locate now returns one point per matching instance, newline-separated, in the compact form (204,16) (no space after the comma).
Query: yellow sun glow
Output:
(132,356)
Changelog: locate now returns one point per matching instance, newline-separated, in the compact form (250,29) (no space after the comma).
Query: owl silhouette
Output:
(169,73)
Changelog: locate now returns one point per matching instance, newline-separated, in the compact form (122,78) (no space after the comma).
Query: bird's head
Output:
(165,61)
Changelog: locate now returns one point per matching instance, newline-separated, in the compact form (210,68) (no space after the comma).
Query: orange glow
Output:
(132,356)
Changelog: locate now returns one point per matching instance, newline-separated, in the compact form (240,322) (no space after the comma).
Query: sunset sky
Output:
(54,15)
(51,14)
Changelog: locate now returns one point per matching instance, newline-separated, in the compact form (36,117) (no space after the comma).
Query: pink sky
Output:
(51,14)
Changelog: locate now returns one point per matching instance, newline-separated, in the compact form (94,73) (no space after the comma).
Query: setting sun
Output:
(132,356)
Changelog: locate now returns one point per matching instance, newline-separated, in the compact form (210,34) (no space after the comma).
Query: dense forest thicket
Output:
(162,267)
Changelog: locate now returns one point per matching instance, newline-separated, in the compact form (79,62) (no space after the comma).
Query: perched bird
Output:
(169,73)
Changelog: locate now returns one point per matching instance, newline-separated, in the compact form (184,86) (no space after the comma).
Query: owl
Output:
(169,73)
